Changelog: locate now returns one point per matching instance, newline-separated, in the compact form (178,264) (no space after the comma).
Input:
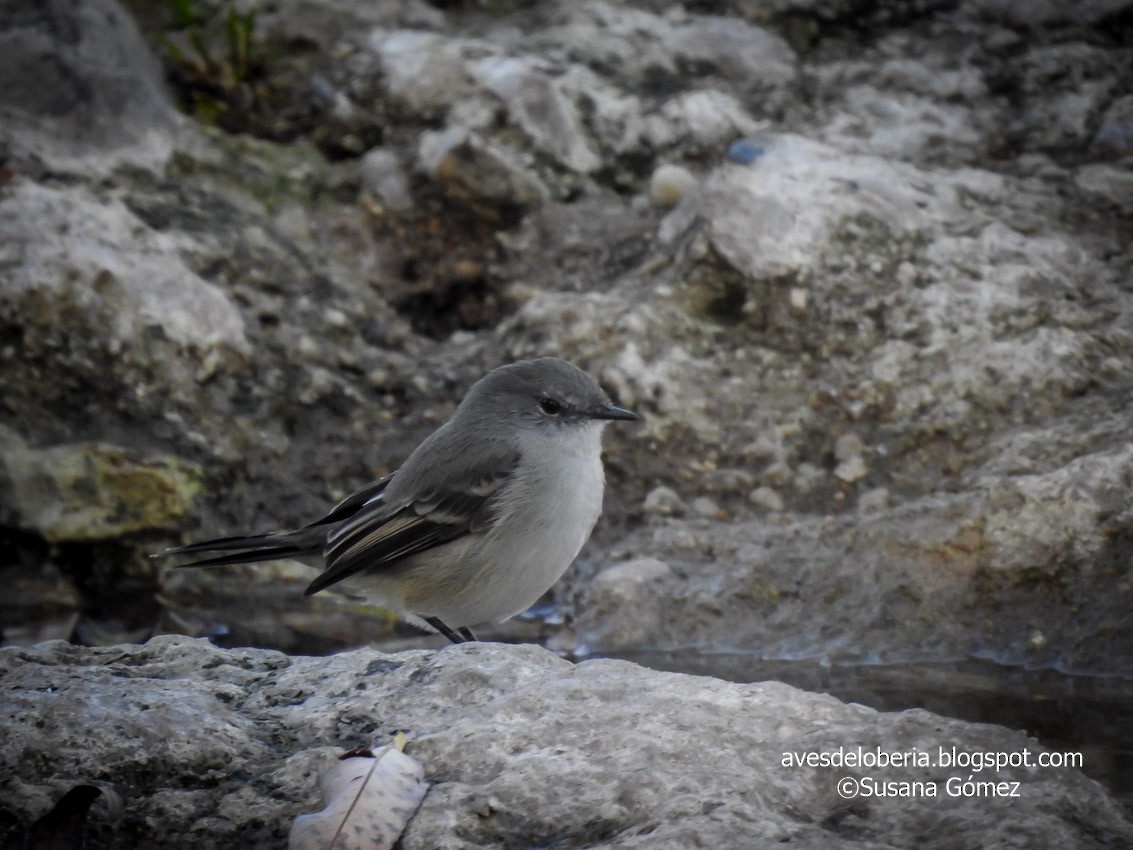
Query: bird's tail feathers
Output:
(251,548)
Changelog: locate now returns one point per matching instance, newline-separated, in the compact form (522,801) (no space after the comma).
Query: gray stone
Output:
(92,260)
(424,72)
(934,565)
(1033,13)
(519,746)
(922,261)
(1109,183)
(847,446)
(538,107)
(624,603)
(708,117)
(472,169)
(766,497)
(663,501)
(384,177)
(747,55)
(851,469)
(83,492)
(765,218)
(874,501)
(78,85)
(702,506)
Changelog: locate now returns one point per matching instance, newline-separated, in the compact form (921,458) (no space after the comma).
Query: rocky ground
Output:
(864,268)
(191,745)
(865,272)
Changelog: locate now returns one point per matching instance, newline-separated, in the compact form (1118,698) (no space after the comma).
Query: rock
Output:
(765,497)
(852,469)
(91,491)
(702,506)
(537,106)
(624,604)
(763,228)
(517,743)
(334,27)
(38,604)
(728,481)
(922,260)
(263,727)
(1114,137)
(747,55)
(384,178)
(663,501)
(1032,14)
(708,117)
(78,85)
(1108,183)
(474,170)
(874,501)
(895,123)
(423,72)
(96,263)
(1062,113)
(669,184)
(934,566)
(848,446)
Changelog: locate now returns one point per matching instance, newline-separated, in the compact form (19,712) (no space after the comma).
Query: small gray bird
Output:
(485,515)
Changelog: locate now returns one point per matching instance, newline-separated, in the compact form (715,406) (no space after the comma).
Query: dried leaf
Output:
(63,827)
(370,797)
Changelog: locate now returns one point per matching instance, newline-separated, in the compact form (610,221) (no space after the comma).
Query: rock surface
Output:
(77,80)
(882,347)
(522,749)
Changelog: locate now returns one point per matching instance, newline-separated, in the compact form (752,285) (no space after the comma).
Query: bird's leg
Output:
(439,624)
(466,633)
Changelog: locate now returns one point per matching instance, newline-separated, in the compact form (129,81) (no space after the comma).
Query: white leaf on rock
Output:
(370,797)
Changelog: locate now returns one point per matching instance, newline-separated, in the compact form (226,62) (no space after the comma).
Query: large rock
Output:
(882,346)
(93,263)
(522,749)
(87,492)
(78,84)
(913,582)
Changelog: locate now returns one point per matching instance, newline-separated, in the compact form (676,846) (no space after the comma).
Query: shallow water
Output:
(1086,714)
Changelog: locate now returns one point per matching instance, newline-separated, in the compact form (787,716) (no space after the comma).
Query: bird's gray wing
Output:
(385,530)
(356,501)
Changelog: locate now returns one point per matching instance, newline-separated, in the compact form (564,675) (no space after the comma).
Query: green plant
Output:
(223,84)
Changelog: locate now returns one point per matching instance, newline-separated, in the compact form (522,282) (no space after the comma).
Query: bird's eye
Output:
(550,406)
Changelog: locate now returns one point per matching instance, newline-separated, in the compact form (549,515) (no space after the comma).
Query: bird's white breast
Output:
(545,517)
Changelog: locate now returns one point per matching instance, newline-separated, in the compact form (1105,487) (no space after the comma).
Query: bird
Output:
(483,517)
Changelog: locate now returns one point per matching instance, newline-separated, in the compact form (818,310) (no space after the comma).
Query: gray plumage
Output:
(481,519)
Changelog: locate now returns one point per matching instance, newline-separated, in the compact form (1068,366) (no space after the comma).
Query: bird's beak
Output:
(611,411)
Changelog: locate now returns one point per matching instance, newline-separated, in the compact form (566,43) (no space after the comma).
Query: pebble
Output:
(852,469)
(703,506)
(468,166)
(761,448)
(776,473)
(807,477)
(728,480)
(384,178)
(767,498)
(744,152)
(669,184)
(873,501)
(847,446)
(663,501)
